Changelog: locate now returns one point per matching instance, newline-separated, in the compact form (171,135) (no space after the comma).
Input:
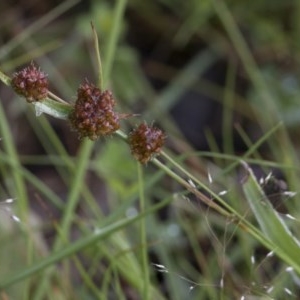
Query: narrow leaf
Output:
(271,224)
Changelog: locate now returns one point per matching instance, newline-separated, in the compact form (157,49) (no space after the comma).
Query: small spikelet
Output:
(30,83)
(93,115)
(145,142)
(107,100)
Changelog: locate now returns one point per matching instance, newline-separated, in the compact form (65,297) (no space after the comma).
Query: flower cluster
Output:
(30,83)
(145,142)
(93,114)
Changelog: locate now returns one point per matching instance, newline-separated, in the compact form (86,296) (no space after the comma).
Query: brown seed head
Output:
(93,113)
(30,83)
(145,142)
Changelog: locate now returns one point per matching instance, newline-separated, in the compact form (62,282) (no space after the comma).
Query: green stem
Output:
(98,58)
(76,186)
(193,189)
(249,63)
(5,79)
(113,41)
(145,261)
(58,99)
(9,146)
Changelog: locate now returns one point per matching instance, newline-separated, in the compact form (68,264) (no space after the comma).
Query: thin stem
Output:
(10,149)
(122,134)
(192,189)
(145,261)
(58,99)
(98,57)
(112,44)
(75,192)
(196,192)
(5,79)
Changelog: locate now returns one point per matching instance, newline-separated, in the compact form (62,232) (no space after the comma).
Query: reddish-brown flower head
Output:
(93,113)
(30,83)
(145,142)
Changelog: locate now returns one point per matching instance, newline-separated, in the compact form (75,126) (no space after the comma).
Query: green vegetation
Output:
(83,219)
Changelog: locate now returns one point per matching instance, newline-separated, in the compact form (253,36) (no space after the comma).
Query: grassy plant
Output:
(221,239)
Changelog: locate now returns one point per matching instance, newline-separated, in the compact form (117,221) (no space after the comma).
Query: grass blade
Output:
(271,224)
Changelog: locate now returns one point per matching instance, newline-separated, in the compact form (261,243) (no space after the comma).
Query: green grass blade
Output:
(144,250)
(271,224)
(10,149)
(113,41)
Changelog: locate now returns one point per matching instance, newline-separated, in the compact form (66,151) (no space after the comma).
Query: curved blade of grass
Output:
(285,244)
(11,151)
(113,41)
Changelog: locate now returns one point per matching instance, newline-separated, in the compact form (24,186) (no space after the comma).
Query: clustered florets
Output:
(145,142)
(93,114)
(30,83)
